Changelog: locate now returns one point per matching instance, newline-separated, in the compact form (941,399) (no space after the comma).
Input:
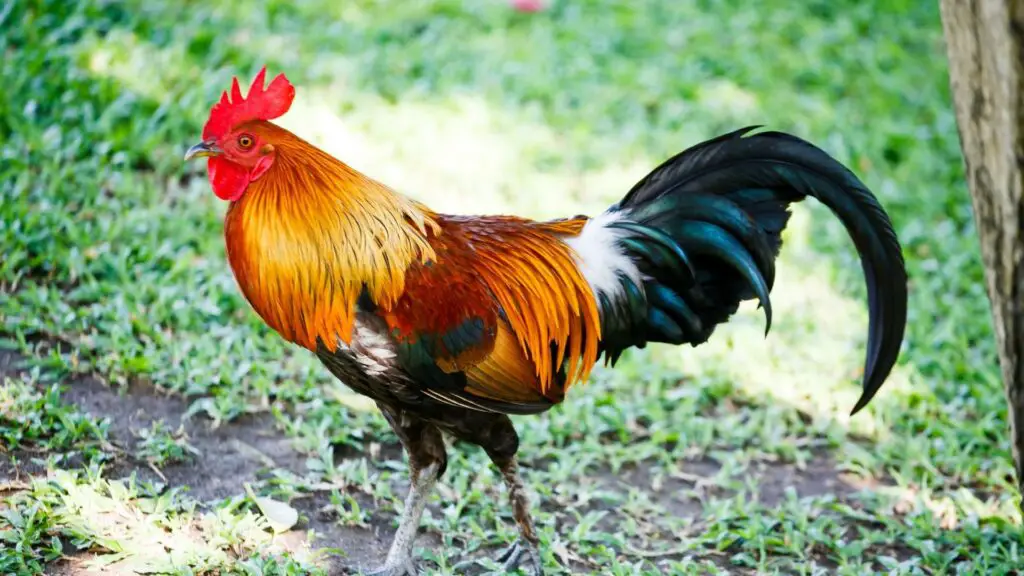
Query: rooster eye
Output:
(245,141)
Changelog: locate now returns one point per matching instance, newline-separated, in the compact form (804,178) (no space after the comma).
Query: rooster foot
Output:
(522,555)
(406,568)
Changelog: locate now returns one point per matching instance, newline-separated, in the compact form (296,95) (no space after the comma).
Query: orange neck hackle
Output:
(306,237)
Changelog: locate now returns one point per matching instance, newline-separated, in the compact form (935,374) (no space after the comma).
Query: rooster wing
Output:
(501,321)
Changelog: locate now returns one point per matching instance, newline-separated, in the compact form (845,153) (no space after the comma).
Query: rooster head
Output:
(237,149)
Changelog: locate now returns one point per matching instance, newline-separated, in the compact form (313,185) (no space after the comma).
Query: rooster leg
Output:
(427,462)
(501,443)
(524,553)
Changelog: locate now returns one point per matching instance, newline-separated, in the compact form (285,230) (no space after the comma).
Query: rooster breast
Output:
(368,363)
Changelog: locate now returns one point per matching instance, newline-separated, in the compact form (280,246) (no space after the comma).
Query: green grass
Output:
(36,421)
(112,248)
(159,446)
(144,532)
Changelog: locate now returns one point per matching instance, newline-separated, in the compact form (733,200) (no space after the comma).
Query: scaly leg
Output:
(399,561)
(501,442)
(427,462)
(524,553)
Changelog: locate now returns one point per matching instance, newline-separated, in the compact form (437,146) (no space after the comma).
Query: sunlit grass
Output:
(461,156)
(145,532)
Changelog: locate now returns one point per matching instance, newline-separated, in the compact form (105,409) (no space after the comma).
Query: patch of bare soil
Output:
(229,456)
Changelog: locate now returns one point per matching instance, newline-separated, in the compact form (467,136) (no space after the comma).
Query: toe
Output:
(513,558)
(522,555)
(509,552)
(404,569)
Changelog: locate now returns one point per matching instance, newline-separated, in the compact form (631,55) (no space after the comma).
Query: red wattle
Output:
(229,180)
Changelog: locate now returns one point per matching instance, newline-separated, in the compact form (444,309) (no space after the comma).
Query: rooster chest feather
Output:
(305,244)
(367,363)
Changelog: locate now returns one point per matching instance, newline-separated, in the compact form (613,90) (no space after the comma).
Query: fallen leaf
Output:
(281,516)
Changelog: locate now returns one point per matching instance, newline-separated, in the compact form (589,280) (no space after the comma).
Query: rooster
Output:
(453,323)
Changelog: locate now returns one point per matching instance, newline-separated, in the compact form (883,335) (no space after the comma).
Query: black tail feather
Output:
(705,227)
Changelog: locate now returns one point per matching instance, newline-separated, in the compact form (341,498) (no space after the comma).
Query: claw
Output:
(524,555)
(406,568)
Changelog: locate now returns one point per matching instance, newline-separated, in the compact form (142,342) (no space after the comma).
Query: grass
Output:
(161,446)
(738,455)
(35,421)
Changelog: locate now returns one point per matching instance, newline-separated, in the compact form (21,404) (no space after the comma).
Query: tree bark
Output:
(985,45)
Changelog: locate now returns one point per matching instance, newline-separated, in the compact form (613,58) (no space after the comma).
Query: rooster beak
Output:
(203,149)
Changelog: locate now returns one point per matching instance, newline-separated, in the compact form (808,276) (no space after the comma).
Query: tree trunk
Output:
(985,44)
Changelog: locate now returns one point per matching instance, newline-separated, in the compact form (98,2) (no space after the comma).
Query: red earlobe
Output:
(262,165)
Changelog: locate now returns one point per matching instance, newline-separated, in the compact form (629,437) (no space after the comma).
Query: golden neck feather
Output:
(306,238)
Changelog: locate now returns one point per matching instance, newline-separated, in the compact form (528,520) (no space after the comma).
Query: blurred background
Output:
(738,455)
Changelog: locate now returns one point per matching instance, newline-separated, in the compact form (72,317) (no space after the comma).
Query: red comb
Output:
(259,104)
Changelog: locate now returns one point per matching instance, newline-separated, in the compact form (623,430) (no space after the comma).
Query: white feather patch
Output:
(599,257)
